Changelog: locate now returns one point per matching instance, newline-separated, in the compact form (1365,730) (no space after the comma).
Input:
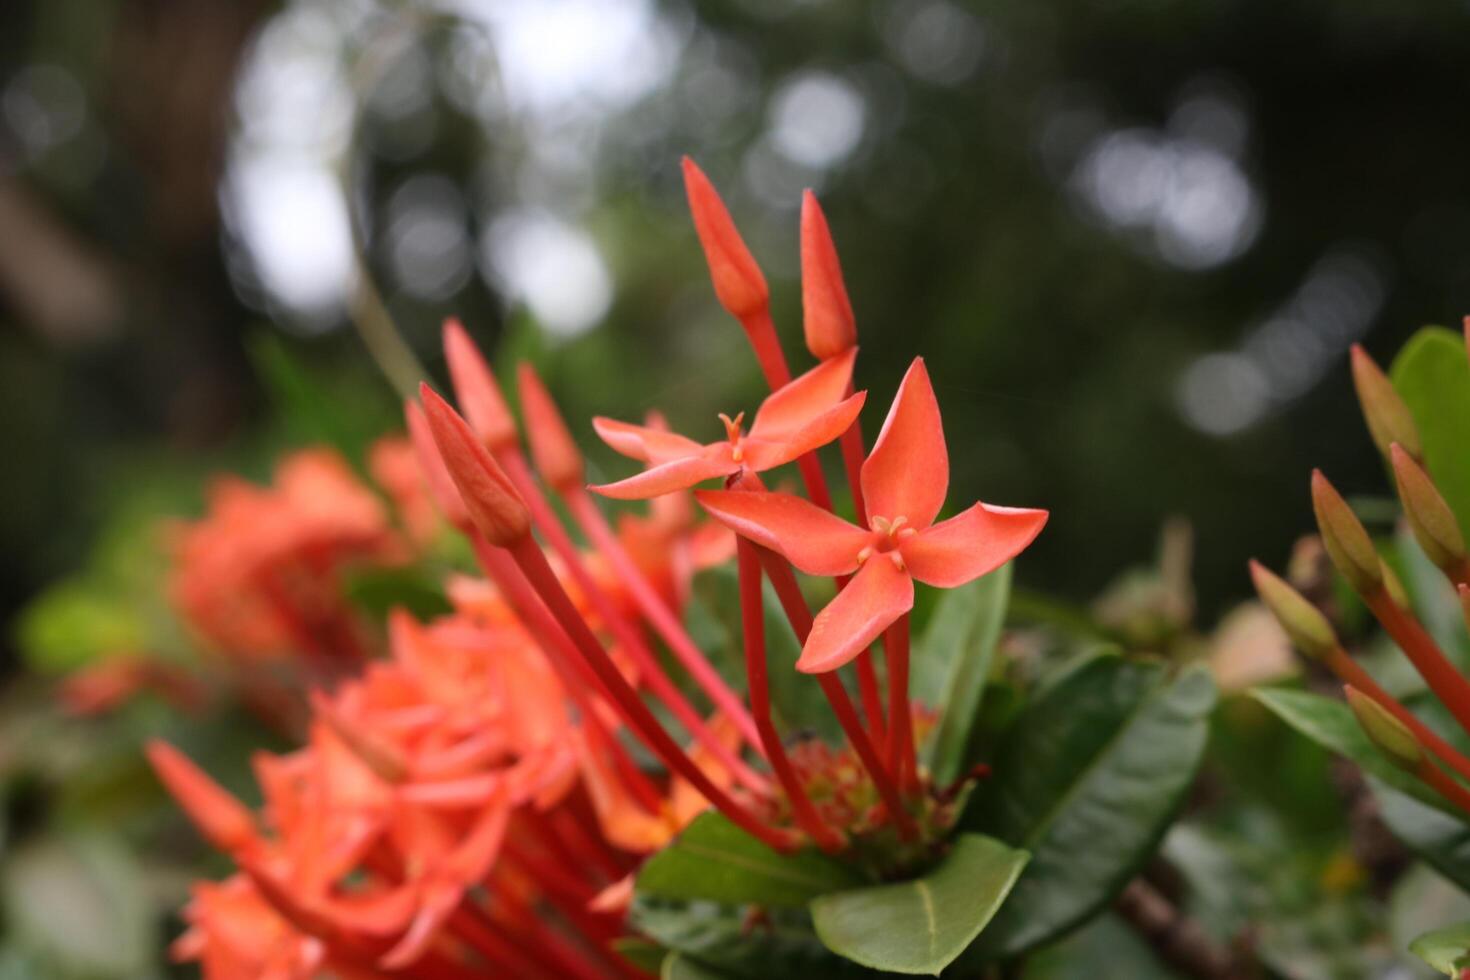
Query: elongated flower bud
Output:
(223,820)
(826,311)
(1394,586)
(739,284)
(477,390)
(493,503)
(1388,418)
(552,446)
(1308,629)
(436,474)
(1347,541)
(1430,518)
(1391,736)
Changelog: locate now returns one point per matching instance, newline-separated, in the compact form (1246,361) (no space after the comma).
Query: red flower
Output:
(802,416)
(904,481)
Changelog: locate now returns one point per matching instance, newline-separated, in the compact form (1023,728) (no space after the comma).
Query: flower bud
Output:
(477,390)
(492,502)
(223,820)
(1347,541)
(552,446)
(1394,586)
(739,284)
(1308,629)
(1391,736)
(1430,518)
(1388,418)
(826,311)
(436,474)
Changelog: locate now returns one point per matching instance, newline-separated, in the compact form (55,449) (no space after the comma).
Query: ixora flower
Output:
(904,481)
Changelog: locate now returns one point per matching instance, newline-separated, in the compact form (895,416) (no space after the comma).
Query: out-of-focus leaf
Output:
(1329,722)
(378,590)
(921,926)
(1087,780)
(1433,376)
(715,860)
(1423,899)
(679,966)
(952,662)
(76,622)
(1107,939)
(1447,950)
(1442,839)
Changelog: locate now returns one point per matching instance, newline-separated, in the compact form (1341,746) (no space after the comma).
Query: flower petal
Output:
(970,544)
(643,443)
(877,595)
(764,454)
(795,405)
(907,473)
(679,474)
(814,540)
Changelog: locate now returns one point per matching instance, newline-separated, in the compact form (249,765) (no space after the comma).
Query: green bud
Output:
(1430,518)
(1391,736)
(1347,541)
(1388,418)
(1308,629)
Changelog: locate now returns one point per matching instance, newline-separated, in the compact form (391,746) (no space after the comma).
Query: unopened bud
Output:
(826,310)
(1391,736)
(1308,630)
(552,446)
(223,820)
(1389,420)
(739,284)
(1430,518)
(492,502)
(1394,586)
(431,464)
(476,389)
(1347,541)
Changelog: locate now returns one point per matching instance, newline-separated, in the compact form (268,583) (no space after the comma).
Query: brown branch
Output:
(1177,939)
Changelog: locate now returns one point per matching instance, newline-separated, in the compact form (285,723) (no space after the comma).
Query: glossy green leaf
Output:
(1447,950)
(715,860)
(1330,723)
(1088,780)
(952,662)
(779,946)
(1442,839)
(681,966)
(921,926)
(1433,376)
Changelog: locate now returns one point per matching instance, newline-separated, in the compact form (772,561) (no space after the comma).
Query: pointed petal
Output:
(438,901)
(476,389)
(554,450)
(738,282)
(764,454)
(223,820)
(826,311)
(436,475)
(493,503)
(907,473)
(643,443)
(814,540)
(877,595)
(793,406)
(970,544)
(680,474)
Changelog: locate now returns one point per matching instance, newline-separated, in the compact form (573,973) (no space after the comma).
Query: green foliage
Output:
(1447,950)
(952,663)
(1441,838)
(1087,780)
(923,925)
(715,860)
(1433,376)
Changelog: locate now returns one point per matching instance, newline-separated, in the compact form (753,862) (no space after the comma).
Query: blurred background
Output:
(1134,239)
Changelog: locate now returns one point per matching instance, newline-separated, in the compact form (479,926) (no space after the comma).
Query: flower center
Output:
(887,535)
(732,432)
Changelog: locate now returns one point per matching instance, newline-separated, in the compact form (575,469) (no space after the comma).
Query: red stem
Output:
(901,759)
(1348,671)
(1441,676)
(762,335)
(627,636)
(752,616)
(528,556)
(800,616)
(590,518)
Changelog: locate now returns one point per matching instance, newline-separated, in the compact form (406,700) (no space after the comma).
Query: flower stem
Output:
(1443,679)
(901,760)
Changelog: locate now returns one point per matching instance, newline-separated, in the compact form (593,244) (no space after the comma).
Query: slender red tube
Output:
(901,760)
(800,615)
(590,518)
(753,628)
(528,556)
(628,637)
(1443,679)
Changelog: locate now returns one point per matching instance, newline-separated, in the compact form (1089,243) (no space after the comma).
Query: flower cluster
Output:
(474,800)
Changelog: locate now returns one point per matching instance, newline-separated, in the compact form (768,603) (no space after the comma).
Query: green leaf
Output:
(715,860)
(1087,780)
(1433,376)
(1442,839)
(379,590)
(1447,950)
(921,926)
(642,953)
(952,662)
(1330,723)
(680,966)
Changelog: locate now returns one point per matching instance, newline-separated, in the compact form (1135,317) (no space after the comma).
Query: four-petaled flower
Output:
(904,481)
(801,416)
